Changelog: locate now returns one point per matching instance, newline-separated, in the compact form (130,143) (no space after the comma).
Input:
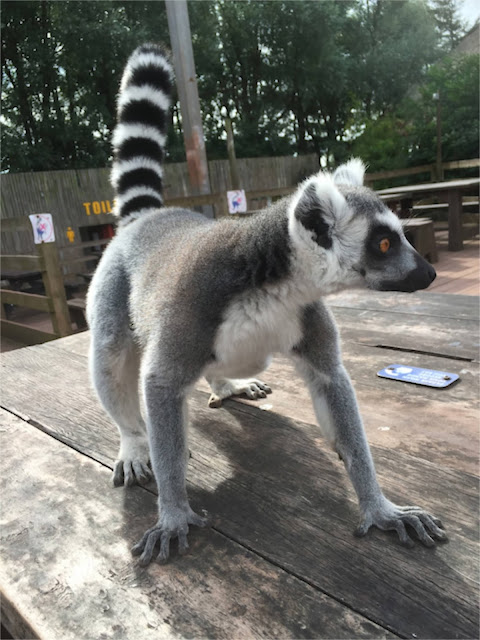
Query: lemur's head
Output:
(345,236)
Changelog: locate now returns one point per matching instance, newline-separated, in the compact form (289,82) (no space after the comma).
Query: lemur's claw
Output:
(389,516)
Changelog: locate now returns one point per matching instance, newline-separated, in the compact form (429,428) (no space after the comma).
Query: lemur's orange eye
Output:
(384,245)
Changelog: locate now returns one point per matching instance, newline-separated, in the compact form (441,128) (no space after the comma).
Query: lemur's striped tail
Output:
(140,135)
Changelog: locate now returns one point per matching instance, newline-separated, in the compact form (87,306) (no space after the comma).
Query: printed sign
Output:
(42,225)
(425,377)
(237,201)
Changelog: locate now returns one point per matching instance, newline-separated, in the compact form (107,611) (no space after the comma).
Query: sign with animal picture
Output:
(237,201)
(42,225)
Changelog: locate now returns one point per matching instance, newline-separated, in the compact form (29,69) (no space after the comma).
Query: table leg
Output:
(455,239)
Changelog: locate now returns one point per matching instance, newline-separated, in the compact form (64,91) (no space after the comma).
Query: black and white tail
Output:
(140,135)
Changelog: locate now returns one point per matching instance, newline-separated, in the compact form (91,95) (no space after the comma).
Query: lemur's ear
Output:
(351,173)
(319,205)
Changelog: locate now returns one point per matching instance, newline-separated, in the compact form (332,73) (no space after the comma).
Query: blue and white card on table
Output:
(415,375)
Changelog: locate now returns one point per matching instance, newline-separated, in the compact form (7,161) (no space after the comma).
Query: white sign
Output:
(42,224)
(237,201)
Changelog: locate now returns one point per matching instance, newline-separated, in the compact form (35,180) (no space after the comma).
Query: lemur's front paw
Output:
(388,516)
(252,388)
(173,524)
(132,466)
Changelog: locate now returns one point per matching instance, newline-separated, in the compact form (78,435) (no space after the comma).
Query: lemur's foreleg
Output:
(319,362)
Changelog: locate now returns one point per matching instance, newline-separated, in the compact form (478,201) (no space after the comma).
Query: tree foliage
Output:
(295,77)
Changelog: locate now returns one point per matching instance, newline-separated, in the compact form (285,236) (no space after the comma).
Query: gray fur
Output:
(177,296)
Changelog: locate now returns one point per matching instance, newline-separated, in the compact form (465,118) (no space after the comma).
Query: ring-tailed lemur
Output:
(177,296)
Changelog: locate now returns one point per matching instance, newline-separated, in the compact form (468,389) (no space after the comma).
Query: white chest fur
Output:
(255,326)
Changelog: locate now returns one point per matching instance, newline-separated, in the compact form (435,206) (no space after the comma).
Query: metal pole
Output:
(232,158)
(186,79)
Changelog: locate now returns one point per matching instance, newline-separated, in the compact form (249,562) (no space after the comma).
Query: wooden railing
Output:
(429,169)
(54,302)
(260,198)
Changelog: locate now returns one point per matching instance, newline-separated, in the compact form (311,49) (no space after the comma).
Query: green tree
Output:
(455,80)
(407,135)
(294,76)
(449,25)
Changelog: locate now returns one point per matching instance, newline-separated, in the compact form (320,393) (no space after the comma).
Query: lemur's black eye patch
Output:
(383,241)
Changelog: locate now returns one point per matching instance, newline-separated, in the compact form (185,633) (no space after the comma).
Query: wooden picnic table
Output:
(451,190)
(280,559)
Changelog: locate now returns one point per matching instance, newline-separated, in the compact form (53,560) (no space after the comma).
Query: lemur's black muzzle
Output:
(420,277)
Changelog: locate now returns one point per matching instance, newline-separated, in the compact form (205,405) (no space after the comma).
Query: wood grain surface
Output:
(274,488)
(69,573)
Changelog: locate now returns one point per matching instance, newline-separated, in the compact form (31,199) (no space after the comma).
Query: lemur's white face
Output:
(345,236)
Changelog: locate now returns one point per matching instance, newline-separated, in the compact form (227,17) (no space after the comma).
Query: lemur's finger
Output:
(420,530)
(182,543)
(118,474)
(129,474)
(433,528)
(402,533)
(164,547)
(141,471)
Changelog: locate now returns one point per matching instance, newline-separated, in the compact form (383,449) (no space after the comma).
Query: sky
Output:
(469,11)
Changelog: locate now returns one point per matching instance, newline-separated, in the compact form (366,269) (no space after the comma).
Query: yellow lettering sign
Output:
(98,206)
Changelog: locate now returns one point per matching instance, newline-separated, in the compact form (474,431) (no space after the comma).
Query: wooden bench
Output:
(421,234)
(77,307)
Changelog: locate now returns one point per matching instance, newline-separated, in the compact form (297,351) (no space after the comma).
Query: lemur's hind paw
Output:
(171,525)
(129,472)
(133,465)
(389,516)
(252,388)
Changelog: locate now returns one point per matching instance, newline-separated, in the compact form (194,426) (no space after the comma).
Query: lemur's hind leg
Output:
(114,363)
(223,388)
(319,361)
(168,373)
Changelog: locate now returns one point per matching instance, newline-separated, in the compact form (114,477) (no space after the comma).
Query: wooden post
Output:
(455,238)
(181,41)
(232,158)
(55,289)
(438,165)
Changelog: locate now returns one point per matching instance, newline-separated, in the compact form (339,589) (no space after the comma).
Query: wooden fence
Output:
(84,199)
(428,170)
(46,262)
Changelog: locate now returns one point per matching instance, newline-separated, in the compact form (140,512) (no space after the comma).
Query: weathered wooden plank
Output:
(273,485)
(462,164)
(23,299)
(415,304)
(84,245)
(89,258)
(24,333)
(20,223)
(397,173)
(21,263)
(456,338)
(67,570)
